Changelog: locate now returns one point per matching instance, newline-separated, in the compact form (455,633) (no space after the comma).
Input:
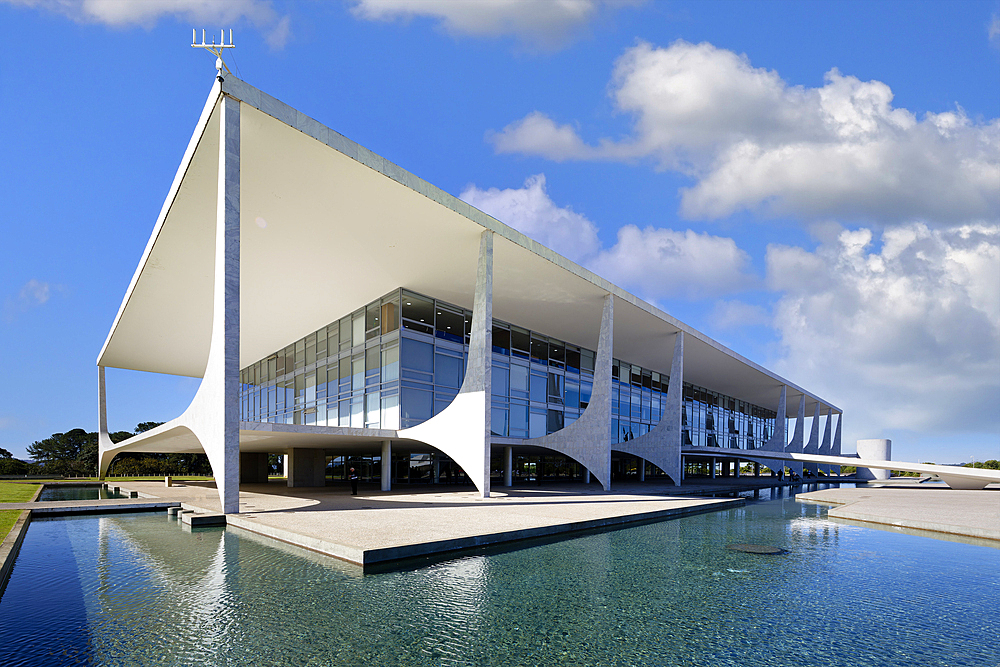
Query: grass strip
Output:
(7,520)
(15,492)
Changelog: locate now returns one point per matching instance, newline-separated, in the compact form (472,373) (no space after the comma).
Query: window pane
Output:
(554,421)
(555,388)
(519,342)
(557,354)
(390,364)
(346,341)
(372,326)
(501,340)
(358,372)
(537,423)
(448,371)
(519,379)
(450,325)
(539,350)
(417,405)
(418,313)
(518,423)
(498,421)
(417,355)
(539,391)
(390,316)
(310,349)
(390,412)
(499,381)
(373,362)
(358,328)
(587,360)
(573,358)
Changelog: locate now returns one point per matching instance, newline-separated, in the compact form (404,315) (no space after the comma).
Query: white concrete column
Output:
(387,465)
(713,467)
(642,470)
(588,440)
(738,475)
(284,463)
(836,443)
(508,466)
(214,415)
(462,430)
(104,443)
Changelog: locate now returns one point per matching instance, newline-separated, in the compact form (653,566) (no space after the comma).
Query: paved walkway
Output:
(376,527)
(924,507)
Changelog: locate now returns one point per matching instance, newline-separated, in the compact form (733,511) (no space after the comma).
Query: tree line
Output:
(75,453)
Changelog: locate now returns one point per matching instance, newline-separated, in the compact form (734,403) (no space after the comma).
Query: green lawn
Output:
(7,519)
(15,492)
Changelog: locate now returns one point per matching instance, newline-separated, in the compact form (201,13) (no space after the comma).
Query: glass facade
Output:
(401,359)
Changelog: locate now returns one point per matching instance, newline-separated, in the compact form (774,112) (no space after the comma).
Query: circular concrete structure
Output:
(876,449)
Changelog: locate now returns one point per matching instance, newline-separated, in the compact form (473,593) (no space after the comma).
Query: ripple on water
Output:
(138,590)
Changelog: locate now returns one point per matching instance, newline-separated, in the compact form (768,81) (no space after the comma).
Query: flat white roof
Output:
(328,226)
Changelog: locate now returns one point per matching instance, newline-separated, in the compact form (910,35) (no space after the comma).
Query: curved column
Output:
(795,445)
(826,448)
(213,417)
(776,443)
(104,444)
(214,414)
(588,439)
(462,430)
(662,445)
(812,447)
(835,448)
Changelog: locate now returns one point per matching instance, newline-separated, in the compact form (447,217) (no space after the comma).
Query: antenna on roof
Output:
(213,48)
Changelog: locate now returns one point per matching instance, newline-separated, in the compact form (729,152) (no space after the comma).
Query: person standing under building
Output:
(354,482)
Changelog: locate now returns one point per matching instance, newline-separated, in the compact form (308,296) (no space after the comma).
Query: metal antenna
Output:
(213,48)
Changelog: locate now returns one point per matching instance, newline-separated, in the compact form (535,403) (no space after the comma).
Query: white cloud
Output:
(905,336)
(737,314)
(656,262)
(652,262)
(205,13)
(547,24)
(32,294)
(532,212)
(994,30)
(751,141)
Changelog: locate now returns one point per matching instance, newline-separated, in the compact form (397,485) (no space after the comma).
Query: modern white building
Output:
(341,310)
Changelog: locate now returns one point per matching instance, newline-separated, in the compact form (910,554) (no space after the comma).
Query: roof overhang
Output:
(327,226)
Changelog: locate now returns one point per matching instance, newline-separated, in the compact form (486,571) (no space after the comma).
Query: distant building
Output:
(343,312)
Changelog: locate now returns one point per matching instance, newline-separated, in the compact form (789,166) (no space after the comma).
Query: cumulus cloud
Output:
(750,141)
(532,212)
(124,13)
(904,333)
(737,314)
(32,294)
(539,24)
(653,262)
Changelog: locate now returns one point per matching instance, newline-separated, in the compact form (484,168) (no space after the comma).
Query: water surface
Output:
(138,589)
(77,493)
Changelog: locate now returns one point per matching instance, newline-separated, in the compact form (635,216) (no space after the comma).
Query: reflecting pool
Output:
(77,493)
(138,589)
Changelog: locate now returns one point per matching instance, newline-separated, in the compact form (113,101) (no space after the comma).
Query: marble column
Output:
(387,465)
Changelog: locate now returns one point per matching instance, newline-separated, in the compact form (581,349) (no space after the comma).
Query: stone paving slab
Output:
(932,508)
(376,527)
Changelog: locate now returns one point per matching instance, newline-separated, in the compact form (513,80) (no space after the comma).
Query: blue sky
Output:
(814,184)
